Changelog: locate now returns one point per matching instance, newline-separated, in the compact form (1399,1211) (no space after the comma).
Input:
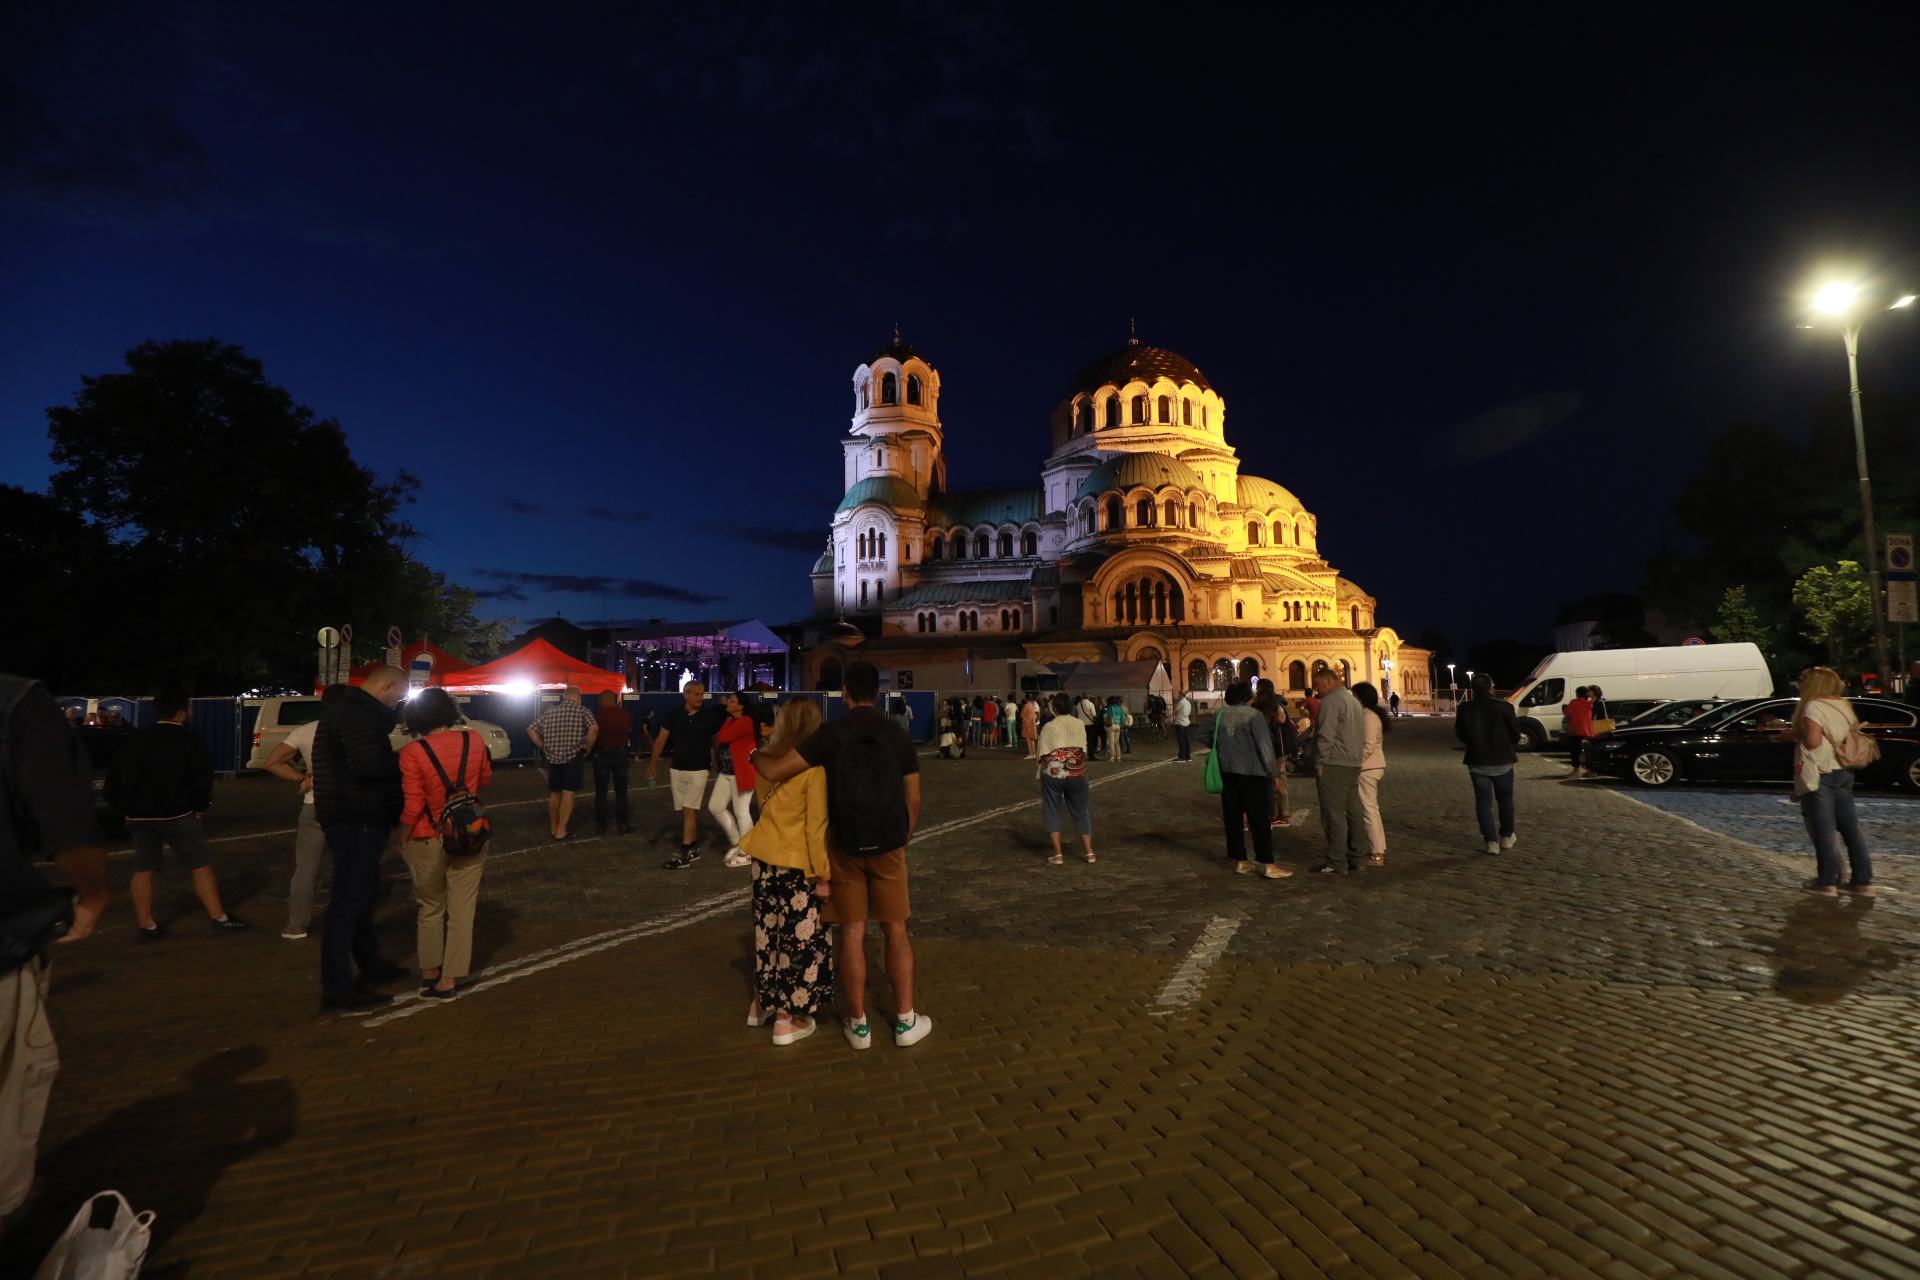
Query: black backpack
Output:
(867,793)
(463,825)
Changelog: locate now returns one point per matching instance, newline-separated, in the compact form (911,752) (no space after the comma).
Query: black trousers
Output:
(1247,795)
(1577,750)
(1184,735)
(610,766)
(348,937)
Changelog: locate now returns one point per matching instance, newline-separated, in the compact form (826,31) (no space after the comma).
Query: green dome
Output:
(1252,491)
(888,491)
(1128,470)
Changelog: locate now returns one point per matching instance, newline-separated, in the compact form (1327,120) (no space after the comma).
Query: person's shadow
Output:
(1819,955)
(164,1153)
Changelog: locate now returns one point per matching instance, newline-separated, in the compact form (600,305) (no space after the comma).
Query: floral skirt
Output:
(792,949)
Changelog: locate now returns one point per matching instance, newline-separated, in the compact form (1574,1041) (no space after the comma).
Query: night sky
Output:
(600,274)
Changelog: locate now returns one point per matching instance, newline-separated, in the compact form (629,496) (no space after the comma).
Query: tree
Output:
(1507,661)
(228,525)
(1836,611)
(1739,621)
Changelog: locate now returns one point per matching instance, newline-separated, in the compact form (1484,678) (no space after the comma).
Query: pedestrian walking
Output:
(1274,711)
(732,803)
(1062,770)
(1578,720)
(1340,743)
(442,760)
(564,734)
(1491,732)
(357,797)
(611,758)
(792,884)
(161,782)
(1393,704)
(1030,725)
(293,760)
(1373,766)
(1183,728)
(46,791)
(873,804)
(1828,747)
(1247,768)
(688,729)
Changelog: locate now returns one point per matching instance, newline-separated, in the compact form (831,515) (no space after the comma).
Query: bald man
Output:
(356,797)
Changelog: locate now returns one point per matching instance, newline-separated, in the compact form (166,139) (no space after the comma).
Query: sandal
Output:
(1091,858)
(1055,860)
(1377,860)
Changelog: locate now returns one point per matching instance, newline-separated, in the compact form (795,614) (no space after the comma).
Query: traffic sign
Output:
(1903,601)
(329,638)
(1900,552)
(346,633)
(1693,640)
(393,637)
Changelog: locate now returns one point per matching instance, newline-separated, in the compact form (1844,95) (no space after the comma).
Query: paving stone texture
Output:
(1628,1047)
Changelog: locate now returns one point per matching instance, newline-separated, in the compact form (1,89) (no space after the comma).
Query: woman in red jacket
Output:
(1579,728)
(447,889)
(732,802)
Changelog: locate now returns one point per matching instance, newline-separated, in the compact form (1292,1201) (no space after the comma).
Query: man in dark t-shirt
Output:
(864,888)
(688,729)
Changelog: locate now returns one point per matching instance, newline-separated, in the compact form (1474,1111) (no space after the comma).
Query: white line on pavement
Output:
(930,832)
(552,957)
(1184,985)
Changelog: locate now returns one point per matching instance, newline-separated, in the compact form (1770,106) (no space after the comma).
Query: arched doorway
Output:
(1223,674)
(830,668)
(1296,675)
(1196,674)
(1249,668)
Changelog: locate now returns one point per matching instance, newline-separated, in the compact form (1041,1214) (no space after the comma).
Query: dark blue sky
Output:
(599,274)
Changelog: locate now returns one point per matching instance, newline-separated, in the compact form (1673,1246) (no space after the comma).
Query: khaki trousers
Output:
(448,890)
(29,1060)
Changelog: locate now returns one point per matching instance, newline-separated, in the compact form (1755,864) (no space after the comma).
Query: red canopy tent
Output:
(444,663)
(537,665)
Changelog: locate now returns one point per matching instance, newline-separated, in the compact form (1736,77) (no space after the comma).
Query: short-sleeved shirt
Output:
(52,788)
(563,729)
(823,745)
(301,740)
(616,728)
(690,735)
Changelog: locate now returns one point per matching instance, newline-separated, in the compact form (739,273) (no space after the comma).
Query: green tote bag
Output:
(1210,774)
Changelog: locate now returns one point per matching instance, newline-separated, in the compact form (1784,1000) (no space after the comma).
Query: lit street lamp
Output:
(1841,301)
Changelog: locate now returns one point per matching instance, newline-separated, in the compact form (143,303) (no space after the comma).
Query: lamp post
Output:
(1838,300)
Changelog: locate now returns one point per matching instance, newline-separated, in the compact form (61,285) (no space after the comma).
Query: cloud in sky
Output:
(1498,430)
(513,586)
(610,516)
(520,506)
(808,540)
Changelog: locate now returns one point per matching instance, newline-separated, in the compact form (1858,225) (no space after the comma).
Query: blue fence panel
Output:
(212,719)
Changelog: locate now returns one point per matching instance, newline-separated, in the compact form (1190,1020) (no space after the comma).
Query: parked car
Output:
(1736,743)
(279,716)
(1674,711)
(1633,680)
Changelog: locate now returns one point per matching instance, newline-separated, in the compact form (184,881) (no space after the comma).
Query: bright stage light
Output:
(520,688)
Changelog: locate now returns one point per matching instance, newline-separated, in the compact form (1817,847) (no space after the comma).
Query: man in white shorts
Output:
(689,730)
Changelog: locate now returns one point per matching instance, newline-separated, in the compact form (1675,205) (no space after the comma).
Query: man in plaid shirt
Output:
(564,733)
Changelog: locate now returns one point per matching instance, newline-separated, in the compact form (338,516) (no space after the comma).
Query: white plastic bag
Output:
(106,1240)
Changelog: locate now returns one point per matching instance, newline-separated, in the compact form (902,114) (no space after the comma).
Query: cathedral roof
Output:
(888,491)
(929,594)
(1117,368)
(987,506)
(899,351)
(1252,491)
(1129,469)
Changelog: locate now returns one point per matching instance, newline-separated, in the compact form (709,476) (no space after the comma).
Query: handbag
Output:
(1602,727)
(1210,774)
(463,825)
(106,1240)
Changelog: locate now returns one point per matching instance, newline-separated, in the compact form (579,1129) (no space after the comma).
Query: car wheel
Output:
(1531,736)
(1655,769)
(1909,773)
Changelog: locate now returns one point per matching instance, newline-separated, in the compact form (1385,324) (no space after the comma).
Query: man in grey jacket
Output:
(1341,737)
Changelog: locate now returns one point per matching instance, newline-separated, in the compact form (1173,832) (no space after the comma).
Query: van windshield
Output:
(292,713)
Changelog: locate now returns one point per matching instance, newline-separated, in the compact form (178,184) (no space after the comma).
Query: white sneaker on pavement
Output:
(1506,842)
(1493,846)
(911,1028)
(858,1034)
(736,857)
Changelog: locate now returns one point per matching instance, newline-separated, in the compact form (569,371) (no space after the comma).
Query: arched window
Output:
(863,593)
(1086,519)
(1132,614)
(937,545)
(1296,536)
(879,546)
(1249,668)
(1083,415)
(1356,617)
(1159,602)
(1196,674)
(1203,415)
(959,546)
(1279,534)
(1113,411)
(1186,412)
(1173,513)
(1296,675)
(1222,673)
(980,546)
(1193,515)
(1005,621)
(1139,409)
(863,395)
(1116,514)
(1239,609)
(1253,533)
(1143,512)
(1177,604)
(1029,543)
(973,621)
(1006,545)
(889,388)
(1346,672)
(913,388)
(1166,409)
(829,674)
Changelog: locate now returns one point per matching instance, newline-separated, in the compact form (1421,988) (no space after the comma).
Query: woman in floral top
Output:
(1063,776)
(792,950)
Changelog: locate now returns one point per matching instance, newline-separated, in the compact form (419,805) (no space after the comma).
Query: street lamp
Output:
(1843,302)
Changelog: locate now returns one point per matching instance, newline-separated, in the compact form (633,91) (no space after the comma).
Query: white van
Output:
(279,716)
(1632,680)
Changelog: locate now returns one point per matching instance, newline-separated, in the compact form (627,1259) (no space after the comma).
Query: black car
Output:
(1664,714)
(1736,743)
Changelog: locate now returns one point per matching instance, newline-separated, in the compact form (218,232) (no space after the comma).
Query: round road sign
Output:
(329,638)
(393,637)
(1900,558)
(1693,640)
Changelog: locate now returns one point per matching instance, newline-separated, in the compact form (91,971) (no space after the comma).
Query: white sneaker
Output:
(1506,842)
(858,1034)
(911,1032)
(293,935)
(799,1031)
(1493,846)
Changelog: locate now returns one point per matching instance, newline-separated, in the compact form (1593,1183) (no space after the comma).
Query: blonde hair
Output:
(1817,683)
(796,722)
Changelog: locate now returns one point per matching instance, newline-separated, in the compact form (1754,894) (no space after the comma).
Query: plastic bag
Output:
(106,1240)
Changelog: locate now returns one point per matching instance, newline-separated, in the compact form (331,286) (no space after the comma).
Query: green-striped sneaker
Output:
(912,1030)
(858,1034)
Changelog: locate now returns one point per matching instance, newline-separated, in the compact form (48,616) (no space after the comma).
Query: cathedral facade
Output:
(1142,541)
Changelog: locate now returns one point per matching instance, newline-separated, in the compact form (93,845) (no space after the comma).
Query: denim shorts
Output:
(188,836)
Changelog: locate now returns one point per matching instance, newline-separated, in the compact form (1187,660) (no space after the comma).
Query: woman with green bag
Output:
(1241,769)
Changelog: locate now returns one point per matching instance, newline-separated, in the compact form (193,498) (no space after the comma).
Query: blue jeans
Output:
(1065,798)
(1486,790)
(348,938)
(1827,811)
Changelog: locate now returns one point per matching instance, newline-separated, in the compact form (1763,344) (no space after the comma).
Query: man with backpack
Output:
(873,805)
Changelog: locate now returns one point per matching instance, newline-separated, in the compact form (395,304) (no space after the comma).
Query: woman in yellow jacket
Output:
(792,949)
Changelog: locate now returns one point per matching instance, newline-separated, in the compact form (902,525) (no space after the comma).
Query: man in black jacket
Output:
(356,792)
(1489,728)
(161,782)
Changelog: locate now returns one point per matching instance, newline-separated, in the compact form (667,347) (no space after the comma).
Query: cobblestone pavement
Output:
(1628,1047)
(1771,820)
